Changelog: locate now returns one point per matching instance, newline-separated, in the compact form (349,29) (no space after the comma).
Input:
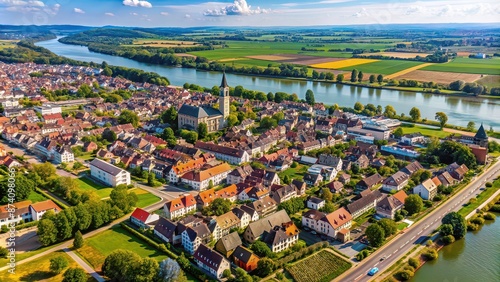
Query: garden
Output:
(327,266)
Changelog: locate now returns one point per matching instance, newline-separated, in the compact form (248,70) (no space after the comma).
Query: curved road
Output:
(418,232)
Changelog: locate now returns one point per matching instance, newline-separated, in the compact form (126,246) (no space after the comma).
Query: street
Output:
(417,234)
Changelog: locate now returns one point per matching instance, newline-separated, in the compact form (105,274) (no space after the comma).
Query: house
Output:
(284,194)
(239,174)
(281,237)
(89,146)
(168,231)
(330,160)
(230,193)
(412,168)
(396,182)
(245,259)
(143,219)
(333,222)
(227,244)
(388,206)
(315,203)
(211,261)
(223,224)
(311,219)
(411,139)
(427,190)
(37,210)
(335,186)
(108,173)
(63,154)
(195,235)
(233,156)
(457,171)
(205,198)
(254,215)
(21,213)
(312,179)
(367,202)
(179,206)
(345,178)
(201,180)
(446,179)
(369,182)
(254,230)
(263,206)
(362,161)
(244,217)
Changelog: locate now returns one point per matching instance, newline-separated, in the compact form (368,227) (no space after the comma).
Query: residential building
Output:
(315,203)
(108,173)
(48,109)
(211,261)
(37,210)
(333,222)
(369,182)
(63,154)
(245,259)
(179,206)
(264,206)
(201,180)
(233,156)
(245,218)
(143,219)
(195,235)
(412,168)
(388,206)
(411,139)
(427,190)
(396,182)
(281,237)
(255,229)
(21,213)
(168,231)
(311,219)
(365,203)
(223,224)
(227,244)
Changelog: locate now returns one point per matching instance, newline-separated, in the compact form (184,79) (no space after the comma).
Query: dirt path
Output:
(84,265)
(408,70)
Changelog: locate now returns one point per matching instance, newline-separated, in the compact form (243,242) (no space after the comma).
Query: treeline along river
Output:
(460,110)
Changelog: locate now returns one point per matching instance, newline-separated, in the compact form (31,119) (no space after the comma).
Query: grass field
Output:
(163,43)
(322,266)
(403,55)
(38,270)
(480,199)
(7,44)
(408,70)
(467,65)
(145,198)
(343,64)
(490,81)
(402,225)
(87,184)
(251,62)
(384,67)
(294,173)
(436,132)
(96,248)
(35,197)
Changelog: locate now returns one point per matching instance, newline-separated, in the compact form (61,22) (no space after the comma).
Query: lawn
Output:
(467,65)
(96,248)
(38,270)
(384,66)
(402,225)
(436,132)
(145,198)
(35,197)
(480,199)
(322,266)
(294,173)
(88,184)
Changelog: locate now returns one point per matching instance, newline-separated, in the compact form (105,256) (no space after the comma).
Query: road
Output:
(84,265)
(417,234)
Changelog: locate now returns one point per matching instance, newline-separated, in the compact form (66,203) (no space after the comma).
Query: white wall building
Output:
(108,173)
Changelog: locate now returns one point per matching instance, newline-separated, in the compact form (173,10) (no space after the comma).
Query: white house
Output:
(48,109)
(397,181)
(108,173)
(311,219)
(21,213)
(211,261)
(142,218)
(333,222)
(426,190)
(200,180)
(63,154)
(179,206)
(315,203)
(37,210)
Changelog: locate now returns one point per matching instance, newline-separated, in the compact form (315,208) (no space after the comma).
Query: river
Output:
(477,258)
(460,110)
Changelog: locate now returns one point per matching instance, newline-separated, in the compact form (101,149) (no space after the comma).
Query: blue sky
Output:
(186,13)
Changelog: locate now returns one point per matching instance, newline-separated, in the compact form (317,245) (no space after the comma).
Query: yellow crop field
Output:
(408,70)
(343,63)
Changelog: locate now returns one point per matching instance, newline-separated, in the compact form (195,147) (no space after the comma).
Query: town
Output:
(224,183)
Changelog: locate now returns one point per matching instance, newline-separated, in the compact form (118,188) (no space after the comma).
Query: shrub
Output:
(294,165)
(413,262)
(448,239)
(58,264)
(489,216)
(405,275)
(438,198)
(477,220)
(409,268)
(430,254)
(429,243)
(226,273)
(489,184)
(472,227)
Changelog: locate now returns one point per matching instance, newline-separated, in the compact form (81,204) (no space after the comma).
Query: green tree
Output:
(471,126)
(380,79)
(189,136)
(415,114)
(354,75)
(78,241)
(340,77)
(47,232)
(45,171)
(117,265)
(265,266)
(127,116)
(238,91)
(358,107)
(270,96)
(261,249)
(268,122)
(372,78)
(310,97)
(390,227)
(389,111)
(326,194)
(446,229)
(23,187)
(3,252)
(375,235)
(360,76)
(458,223)
(442,118)
(123,199)
(169,136)
(398,132)
(64,230)
(107,72)
(218,207)
(84,217)
(413,204)
(146,270)
(328,208)
(170,116)
(74,274)
(109,135)
(202,130)
(232,120)
(58,264)
(152,179)
(286,179)
(315,74)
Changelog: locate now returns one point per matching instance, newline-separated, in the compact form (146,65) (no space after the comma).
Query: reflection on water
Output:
(477,110)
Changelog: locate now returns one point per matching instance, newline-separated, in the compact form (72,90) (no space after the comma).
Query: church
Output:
(189,117)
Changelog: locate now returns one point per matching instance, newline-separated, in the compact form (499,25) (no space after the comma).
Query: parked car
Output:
(314,233)
(373,271)
(307,229)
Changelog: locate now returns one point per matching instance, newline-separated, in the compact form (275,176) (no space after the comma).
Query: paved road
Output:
(84,265)
(417,234)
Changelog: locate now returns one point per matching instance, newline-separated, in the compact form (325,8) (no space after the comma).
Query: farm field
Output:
(96,248)
(38,270)
(436,132)
(408,70)
(467,65)
(439,77)
(296,59)
(87,184)
(7,44)
(319,267)
(342,64)
(163,43)
(490,81)
(144,198)
(402,55)
(249,62)
(384,67)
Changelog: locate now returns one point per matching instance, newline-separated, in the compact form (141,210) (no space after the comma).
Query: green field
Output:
(294,173)
(322,266)
(145,198)
(251,62)
(466,65)
(87,184)
(436,132)
(384,67)
(35,197)
(7,44)
(38,270)
(483,196)
(490,81)
(96,248)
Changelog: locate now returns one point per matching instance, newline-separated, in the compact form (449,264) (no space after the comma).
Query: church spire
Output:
(223,84)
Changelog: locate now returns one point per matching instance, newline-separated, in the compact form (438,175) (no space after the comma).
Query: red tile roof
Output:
(140,215)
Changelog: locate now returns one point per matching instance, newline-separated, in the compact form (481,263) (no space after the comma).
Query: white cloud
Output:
(134,14)
(361,13)
(164,13)
(79,11)
(238,8)
(187,16)
(109,14)
(21,3)
(137,3)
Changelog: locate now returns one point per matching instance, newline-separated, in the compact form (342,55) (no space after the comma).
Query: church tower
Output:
(481,138)
(224,100)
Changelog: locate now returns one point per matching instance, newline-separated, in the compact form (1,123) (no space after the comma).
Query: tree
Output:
(238,91)
(389,111)
(265,266)
(232,120)
(109,135)
(390,227)
(169,270)
(457,85)
(123,199)
(471,126)
(315,74)
(270,96)
(74,274)
(458,223)
(415,114)
(446,229)
(413,204)
(261,249)
(372,78)
(23,187)
(326,194)
(78,241)
(310,97)
(398,132)
(442,118)
(358,107)
(375,234)
(84,217)
(117,265)
(64,230)
(47,232)
(202,130)
(218,207)
(360,76)
(145,271)
(190,136)
(340,77)
(328,208)
(286,179)
(268,122)
(450,151)
(170,116)
(169,136)
(127,116)
(3,252)
(45,171)
(380,79)
(58,264)
(354,75)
